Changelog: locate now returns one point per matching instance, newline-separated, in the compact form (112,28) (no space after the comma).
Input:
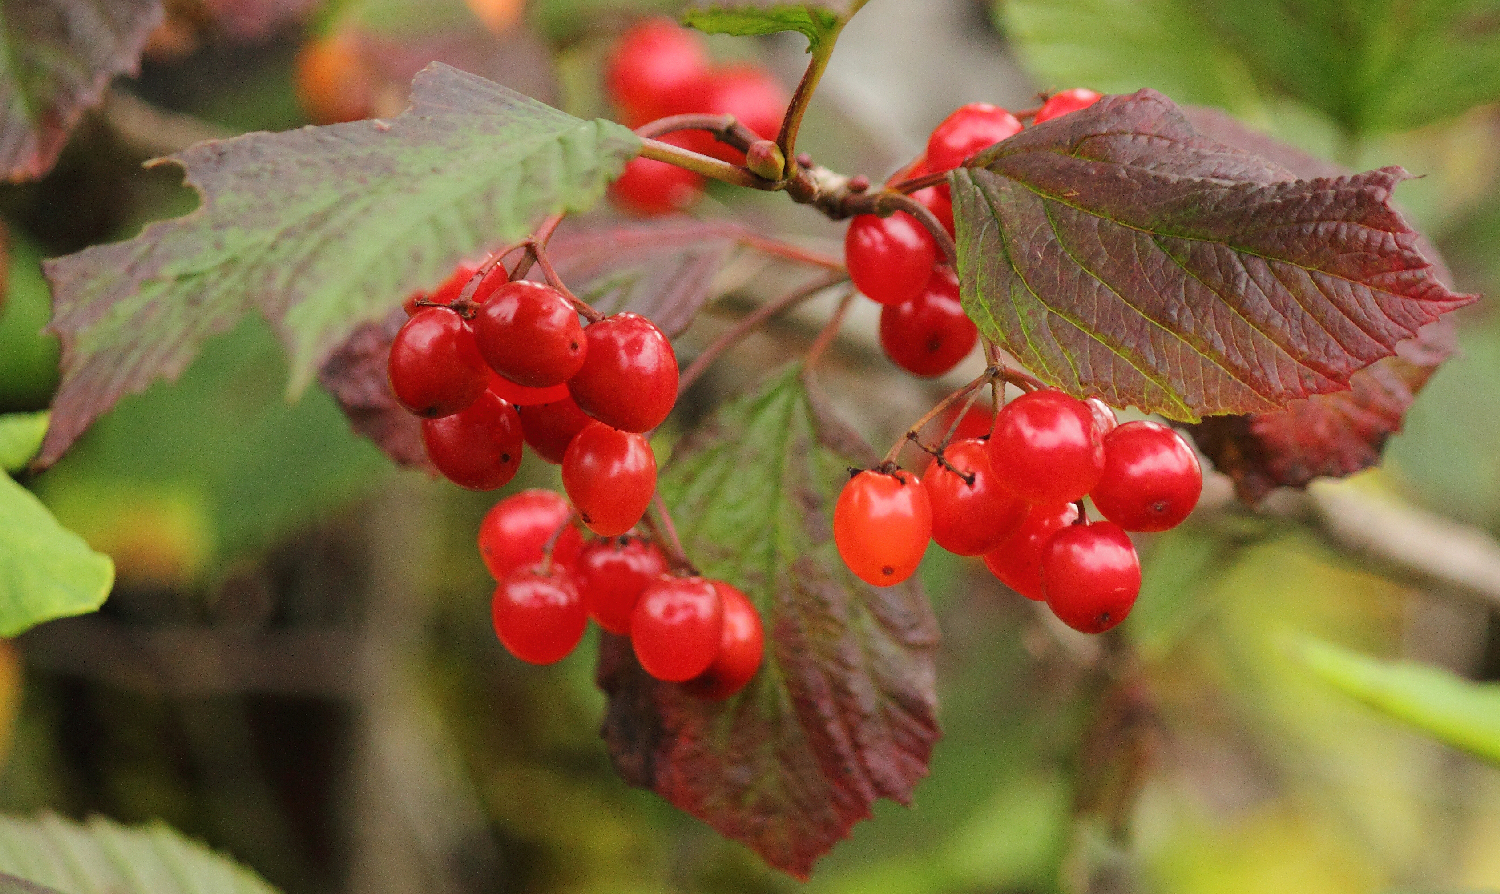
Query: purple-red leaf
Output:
(842,711)
(1117,252)
(59,56)
(320,229)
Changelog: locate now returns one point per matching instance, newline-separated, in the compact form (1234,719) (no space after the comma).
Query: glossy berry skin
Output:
(479,447)
(939,200)
(749,93)
(930,334)
(967,130)
(1064,102)
(742,644)
(890,259)
(520,395)
(550,428)
(1017,561)
(611,573)
(610,476)
(655,63)
(629,380)
(538,616)
(435,368)
(1151,479)
(676,627)
(881,524)
(516,530)
(529,333)
(1091,576)
(1104,416)
(970,519)
(1046,447)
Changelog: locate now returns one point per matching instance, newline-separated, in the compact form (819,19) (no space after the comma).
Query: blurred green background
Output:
(297,666)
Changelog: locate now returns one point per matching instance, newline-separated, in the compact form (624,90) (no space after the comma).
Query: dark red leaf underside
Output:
(1327,435)
(842,712)
(60,56)
(1117,252)
(252,20)
(356,376)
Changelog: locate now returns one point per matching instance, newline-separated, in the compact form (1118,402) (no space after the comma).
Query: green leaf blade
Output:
(1117,253)
(46,571)
(1460,713)
(20,437)
(320,229)
(75,858)
(843,709)
(820,23)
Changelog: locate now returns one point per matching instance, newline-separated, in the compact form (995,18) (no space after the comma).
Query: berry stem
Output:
(712,168)
(664,532)
(790,252)
(750,322)
(914,432)
(821,51)
(537,240)
(539,254)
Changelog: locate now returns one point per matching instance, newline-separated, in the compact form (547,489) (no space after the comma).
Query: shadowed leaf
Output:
(321,229)
(1116,252)
(56,58)
(356,375)
(842,711)
(100,855)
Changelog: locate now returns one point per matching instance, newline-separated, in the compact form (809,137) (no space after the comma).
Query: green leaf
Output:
(1369,65)
(56,58)
(842,711)
(1453,710)
(46,571)
(99,855)
(320,229)
(819,22)
(20,436)
(1116,252)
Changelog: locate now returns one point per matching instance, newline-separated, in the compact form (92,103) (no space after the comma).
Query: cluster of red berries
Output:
(702,633)
(1009,489)
(659,69)
(895,261)
(512,364)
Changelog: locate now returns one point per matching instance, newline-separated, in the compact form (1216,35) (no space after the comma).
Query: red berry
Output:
(655,63)
(976,423)
(446,292)
(881,524)
(538,616)
(1046,448)
(930,334)
(479,447)
(650,188)
(611,573)
(1017,561)
(610,476)
(1151,478)
(629,380)
(890,259)
(749,93)
(435,368)
(676,627)
(939,200)
(741,647)
(550,428)
(1064,102)
(969,129)
(1091,575)
(970,518)
(520,395)
(517,529)
(528,332)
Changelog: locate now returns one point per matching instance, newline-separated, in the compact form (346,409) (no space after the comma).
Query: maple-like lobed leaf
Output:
(1326,435)
(1116,252)
(842,711)
(59,57)
(320,229)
